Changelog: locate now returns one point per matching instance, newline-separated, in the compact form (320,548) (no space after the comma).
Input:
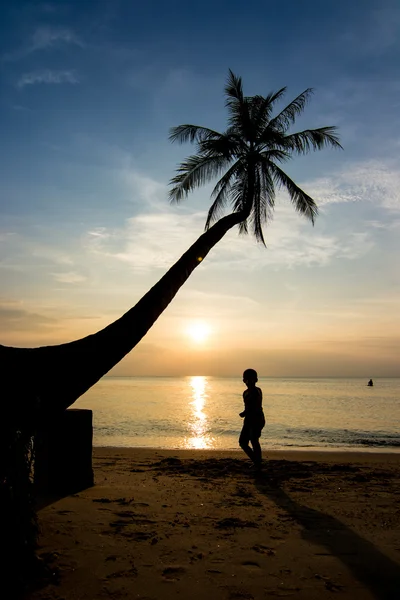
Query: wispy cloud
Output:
(155,238)
(155,241)
(371,181)
(376,32)
(47,76)
(44,38)
(70,277)
(14,318)
(148,241)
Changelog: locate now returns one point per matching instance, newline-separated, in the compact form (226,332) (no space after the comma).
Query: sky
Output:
(88,93)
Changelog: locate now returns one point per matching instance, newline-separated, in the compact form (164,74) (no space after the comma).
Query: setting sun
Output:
(198,331)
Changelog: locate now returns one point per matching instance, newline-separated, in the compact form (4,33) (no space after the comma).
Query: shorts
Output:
(252,428)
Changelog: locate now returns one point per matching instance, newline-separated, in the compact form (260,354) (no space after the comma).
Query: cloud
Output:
(148,241)
(388,226)
(158,236)
(70,277)
(291,243)
(211,305)
(370,181)
(47,76)
(145,188)
(44,38)
(156,241)
(376,32)
(18,319)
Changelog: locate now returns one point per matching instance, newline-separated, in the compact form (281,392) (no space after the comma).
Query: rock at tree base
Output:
(63,454)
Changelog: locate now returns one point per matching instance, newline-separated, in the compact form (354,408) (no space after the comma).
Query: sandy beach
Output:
(201,525)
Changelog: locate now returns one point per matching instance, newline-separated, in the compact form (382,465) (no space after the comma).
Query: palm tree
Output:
(249,153)
(42,382)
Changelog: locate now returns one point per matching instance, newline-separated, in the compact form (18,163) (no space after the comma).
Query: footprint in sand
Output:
(173,573)
(132,572)
(251,565)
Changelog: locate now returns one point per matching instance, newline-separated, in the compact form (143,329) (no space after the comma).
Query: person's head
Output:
(250,377)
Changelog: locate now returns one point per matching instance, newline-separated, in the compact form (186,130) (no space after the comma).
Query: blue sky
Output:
(88,92)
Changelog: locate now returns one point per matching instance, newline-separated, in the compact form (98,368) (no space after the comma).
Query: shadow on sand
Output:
(368,564)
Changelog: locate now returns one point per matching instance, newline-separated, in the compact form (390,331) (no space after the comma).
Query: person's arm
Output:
(243,413)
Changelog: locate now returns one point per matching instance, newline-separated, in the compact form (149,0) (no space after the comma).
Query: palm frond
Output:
(259,209)
(221,193)
(238,193)
(275,154)
(267,181)
(303,142)
(303,203)
(266,198)
(225,145)
(234,87)
(262,106)
(191,133)
(194,172)
(288,115)
(238,106)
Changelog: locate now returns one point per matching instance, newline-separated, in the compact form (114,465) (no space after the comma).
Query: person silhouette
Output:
(254,419)
(370,383)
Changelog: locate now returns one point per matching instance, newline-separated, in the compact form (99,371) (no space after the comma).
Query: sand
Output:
(201,525)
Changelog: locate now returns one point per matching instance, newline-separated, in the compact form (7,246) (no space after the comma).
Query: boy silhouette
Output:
(254,419)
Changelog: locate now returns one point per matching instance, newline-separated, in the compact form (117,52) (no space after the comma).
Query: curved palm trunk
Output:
(49,379)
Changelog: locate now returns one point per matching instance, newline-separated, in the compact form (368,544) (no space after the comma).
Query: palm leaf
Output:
(238,106)
(191,133)
(221,193)
(303,203)
(234,87)
(225,145)
(275,154)
(195,171)
(262,108)
(259,212)
(238,193)
(303,142)
(288,115)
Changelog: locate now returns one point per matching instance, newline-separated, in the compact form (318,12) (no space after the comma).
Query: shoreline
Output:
(291,454)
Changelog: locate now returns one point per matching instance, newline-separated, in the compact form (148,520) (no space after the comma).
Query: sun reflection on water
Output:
(198,423)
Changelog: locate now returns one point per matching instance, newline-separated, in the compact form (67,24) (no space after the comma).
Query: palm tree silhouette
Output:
(249,152)
(41,382)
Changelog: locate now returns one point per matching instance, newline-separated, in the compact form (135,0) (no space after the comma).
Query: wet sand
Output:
(201,525)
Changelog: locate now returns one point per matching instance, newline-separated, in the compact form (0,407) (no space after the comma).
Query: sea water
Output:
(203,412)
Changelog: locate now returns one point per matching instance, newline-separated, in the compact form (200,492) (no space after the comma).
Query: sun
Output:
(198,331)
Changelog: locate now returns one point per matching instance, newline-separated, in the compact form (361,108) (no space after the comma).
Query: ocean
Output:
(202,412)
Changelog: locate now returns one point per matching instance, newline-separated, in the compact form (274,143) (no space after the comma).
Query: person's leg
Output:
(244,439)
(255,442)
